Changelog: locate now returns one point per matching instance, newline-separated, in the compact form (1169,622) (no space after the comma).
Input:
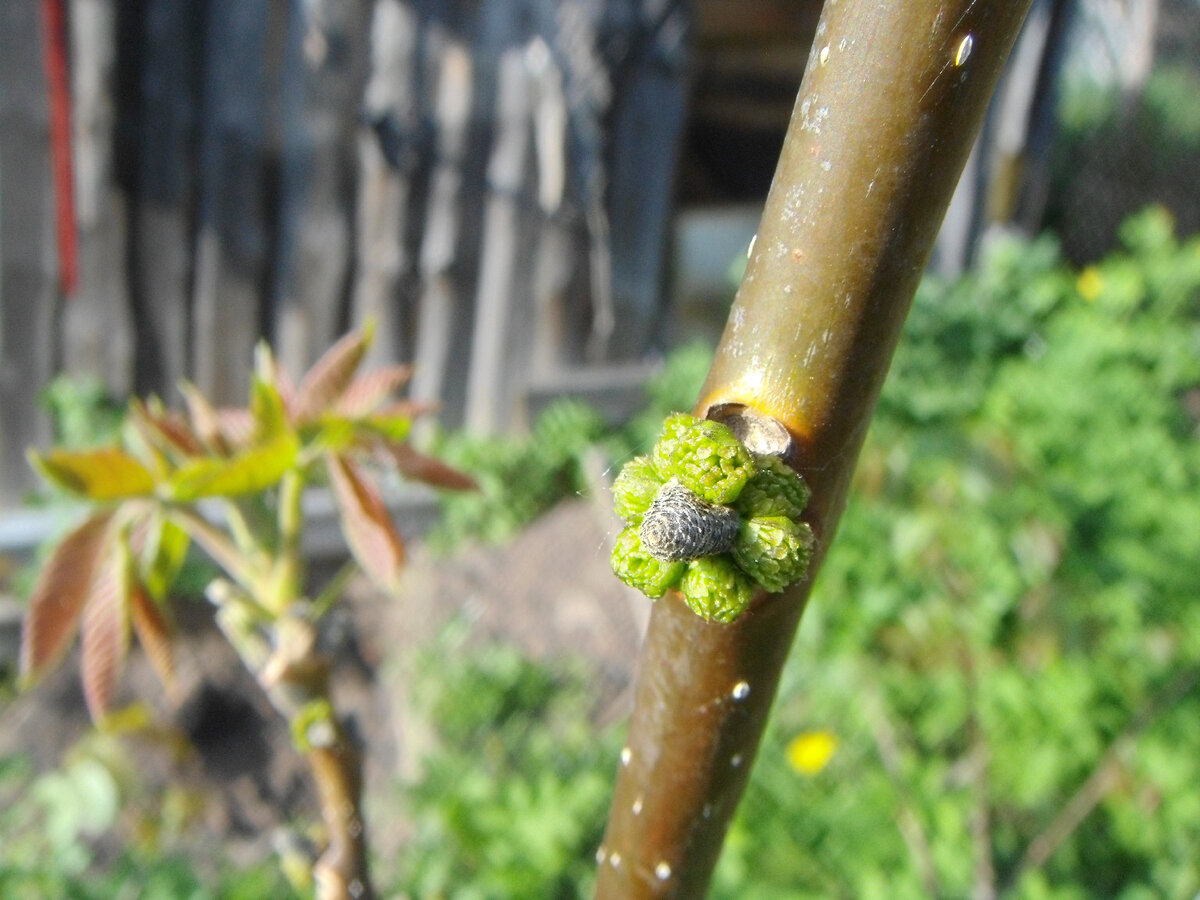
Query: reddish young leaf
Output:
(287,390)
(164,430)
(154,633)
(205,420)
(330,375)
(417,466)
(365,394)
(237,427)
(408,408)
(59,595)
(366,524)
(104,631)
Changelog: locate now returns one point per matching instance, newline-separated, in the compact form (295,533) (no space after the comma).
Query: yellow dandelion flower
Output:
(1089,284)
(810,752)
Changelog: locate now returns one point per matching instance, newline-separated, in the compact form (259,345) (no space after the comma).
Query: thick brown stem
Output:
(890,104)
(296,680)
(341,871)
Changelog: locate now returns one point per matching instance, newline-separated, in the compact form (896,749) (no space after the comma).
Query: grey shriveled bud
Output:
(679,525)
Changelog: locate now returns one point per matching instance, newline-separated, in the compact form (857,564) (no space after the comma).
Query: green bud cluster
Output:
(707,516)
(705,456)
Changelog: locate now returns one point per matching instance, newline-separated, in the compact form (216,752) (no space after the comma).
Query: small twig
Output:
(981,816)
(910,826)
(980,760)
(334,590)
(216,544)
(1102,778)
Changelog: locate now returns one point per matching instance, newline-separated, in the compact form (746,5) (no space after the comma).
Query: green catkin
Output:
(635,489)
(774,551)
(705,456)
(638,569)
(716,589)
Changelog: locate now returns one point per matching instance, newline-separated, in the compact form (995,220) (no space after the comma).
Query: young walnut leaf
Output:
(60,593)
(159,548)
(367,393)
(104,631)
(366,524)
(154,634)
(106,473)
(204,418)
(330,375)
(247,472)
(167,432)
(416,466)
(267,410)
(237,428)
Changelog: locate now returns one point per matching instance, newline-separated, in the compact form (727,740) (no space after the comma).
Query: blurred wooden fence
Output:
(490,182)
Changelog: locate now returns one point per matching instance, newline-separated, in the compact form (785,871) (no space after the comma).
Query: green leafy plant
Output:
(1005,690)
(510,799)
(49,822)
(151,495)
(519,476)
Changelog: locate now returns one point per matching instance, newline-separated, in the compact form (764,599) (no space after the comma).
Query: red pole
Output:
(58,87)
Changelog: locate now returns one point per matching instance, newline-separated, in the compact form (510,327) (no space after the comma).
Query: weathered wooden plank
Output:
(647,123)
(233,241)
(497,337)
(441,312)
(158,71)
(384,263)
(97,335)
(28,273)
(559,250)
(989,191)
(322,84)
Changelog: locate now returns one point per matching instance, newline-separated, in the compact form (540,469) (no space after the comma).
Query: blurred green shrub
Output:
(51,825)
(82,412)
(1006,625)
(521,477)
(997,684)
(512,797)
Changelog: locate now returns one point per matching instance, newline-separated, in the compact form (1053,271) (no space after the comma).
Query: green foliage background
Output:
(1011,604)
(1008,616)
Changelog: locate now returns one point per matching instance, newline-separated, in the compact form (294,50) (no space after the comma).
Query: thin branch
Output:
(979,758)
(1102,778)
(333,591)
(890,104)
(216,544)
(907,822)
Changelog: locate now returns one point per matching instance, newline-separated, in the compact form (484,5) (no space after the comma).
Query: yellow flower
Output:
(809,752)
(1089,284)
